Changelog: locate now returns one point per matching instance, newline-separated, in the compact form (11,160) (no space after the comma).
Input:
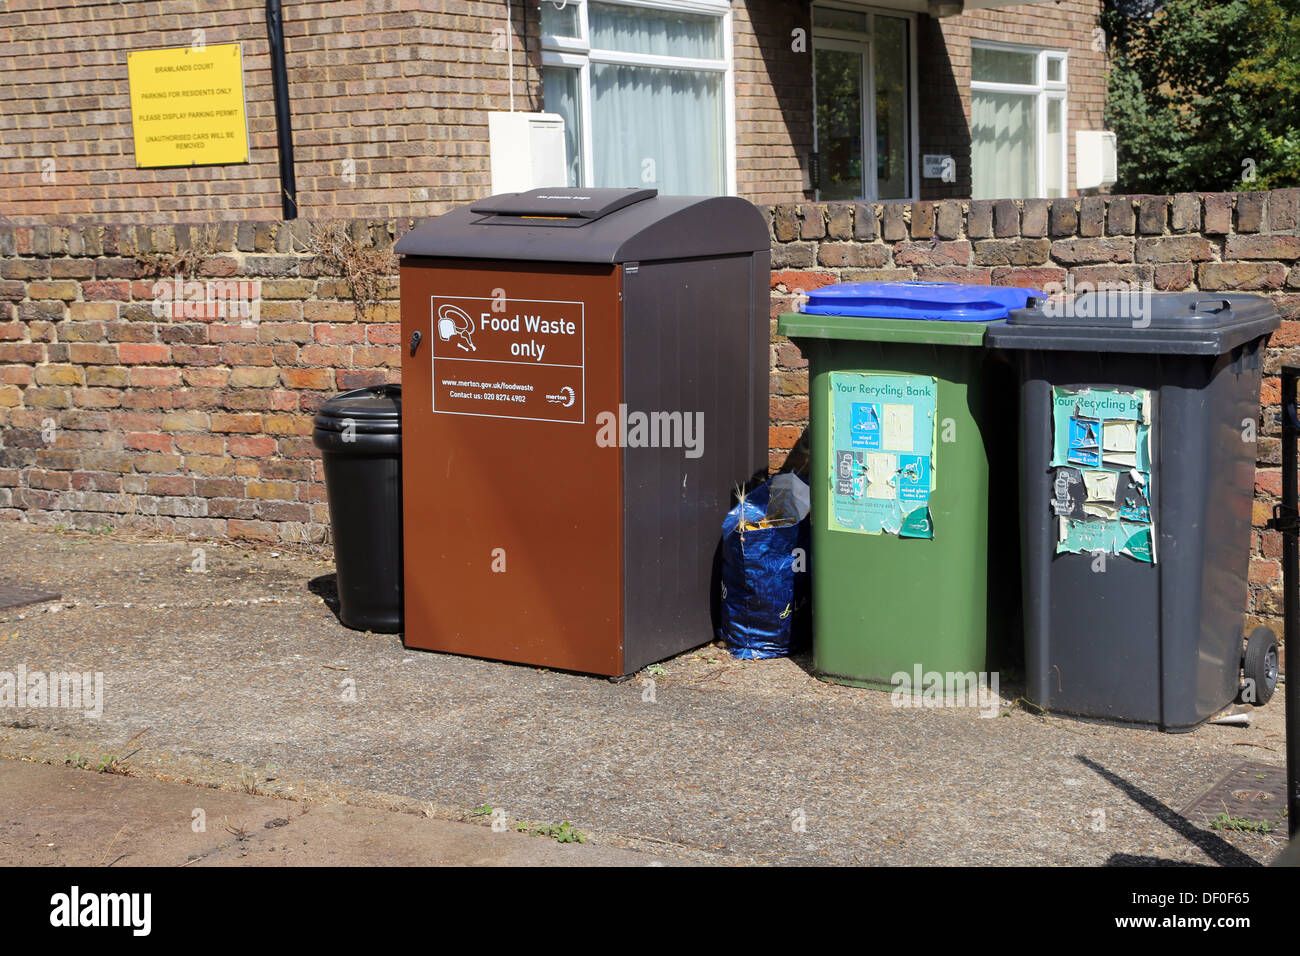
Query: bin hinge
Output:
(416,337)
(1285,520)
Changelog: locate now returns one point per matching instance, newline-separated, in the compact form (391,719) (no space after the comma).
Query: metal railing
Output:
(1286,519)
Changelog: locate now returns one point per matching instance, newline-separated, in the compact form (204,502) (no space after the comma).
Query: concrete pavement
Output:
(60,816)
(239,675)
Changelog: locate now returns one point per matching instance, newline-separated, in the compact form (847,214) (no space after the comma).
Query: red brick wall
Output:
(196,425)
(1229,241)
(113,415)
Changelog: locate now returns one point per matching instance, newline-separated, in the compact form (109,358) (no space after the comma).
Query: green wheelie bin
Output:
(913,475)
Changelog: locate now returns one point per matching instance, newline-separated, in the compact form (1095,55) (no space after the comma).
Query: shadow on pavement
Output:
(326,587)
(1129,859)
(1219,850)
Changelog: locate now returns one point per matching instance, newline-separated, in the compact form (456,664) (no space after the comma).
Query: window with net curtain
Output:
(650,124)
(1010,90)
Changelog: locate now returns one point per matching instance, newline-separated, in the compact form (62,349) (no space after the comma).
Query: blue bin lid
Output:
(934,301)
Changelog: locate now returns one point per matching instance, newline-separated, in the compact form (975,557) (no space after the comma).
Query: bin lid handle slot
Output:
(558,204)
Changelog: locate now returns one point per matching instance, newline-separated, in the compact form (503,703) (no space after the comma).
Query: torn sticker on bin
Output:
(1132,498)
(1085,442)
(914,478)
(1102,472)
(865,429)
(882,442)
(1101,485)
(916,524)
(1068,493)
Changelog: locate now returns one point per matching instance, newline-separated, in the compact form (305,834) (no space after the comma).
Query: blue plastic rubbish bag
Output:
(765,585)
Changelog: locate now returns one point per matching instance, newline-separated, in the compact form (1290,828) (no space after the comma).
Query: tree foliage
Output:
(1205,95)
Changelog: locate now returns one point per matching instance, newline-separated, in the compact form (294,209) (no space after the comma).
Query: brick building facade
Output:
(389,99)
(945,53)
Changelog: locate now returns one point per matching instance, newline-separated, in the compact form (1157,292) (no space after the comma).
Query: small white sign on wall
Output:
(938,166)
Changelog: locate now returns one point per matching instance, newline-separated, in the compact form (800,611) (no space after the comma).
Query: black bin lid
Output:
(557,204)
(563,224)
(1158,323)
(374,410)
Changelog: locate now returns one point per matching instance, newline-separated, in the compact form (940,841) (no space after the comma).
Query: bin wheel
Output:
(1261,664)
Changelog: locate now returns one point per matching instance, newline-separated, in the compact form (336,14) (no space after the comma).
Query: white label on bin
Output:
(508,358)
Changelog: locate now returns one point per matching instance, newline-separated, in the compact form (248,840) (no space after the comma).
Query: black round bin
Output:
(359,434)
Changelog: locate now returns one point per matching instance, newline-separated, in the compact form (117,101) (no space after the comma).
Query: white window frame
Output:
(577,53)
(1043,90)
(835,39)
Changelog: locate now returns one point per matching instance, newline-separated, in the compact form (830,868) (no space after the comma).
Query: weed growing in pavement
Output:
(1225,821)
(561,833)
(250,781)
(112,763)
(237,830)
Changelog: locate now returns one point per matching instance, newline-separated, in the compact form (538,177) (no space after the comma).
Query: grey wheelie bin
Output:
(1138,414)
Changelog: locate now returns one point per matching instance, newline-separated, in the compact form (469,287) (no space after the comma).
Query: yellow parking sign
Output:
(187,106)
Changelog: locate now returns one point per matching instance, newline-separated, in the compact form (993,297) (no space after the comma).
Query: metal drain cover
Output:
(1252,791)
(13,596)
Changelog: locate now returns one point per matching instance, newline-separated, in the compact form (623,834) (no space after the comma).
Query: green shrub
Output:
(1205,95)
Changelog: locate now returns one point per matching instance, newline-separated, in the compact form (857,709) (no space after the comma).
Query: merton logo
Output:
(64,689)
(77,909)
